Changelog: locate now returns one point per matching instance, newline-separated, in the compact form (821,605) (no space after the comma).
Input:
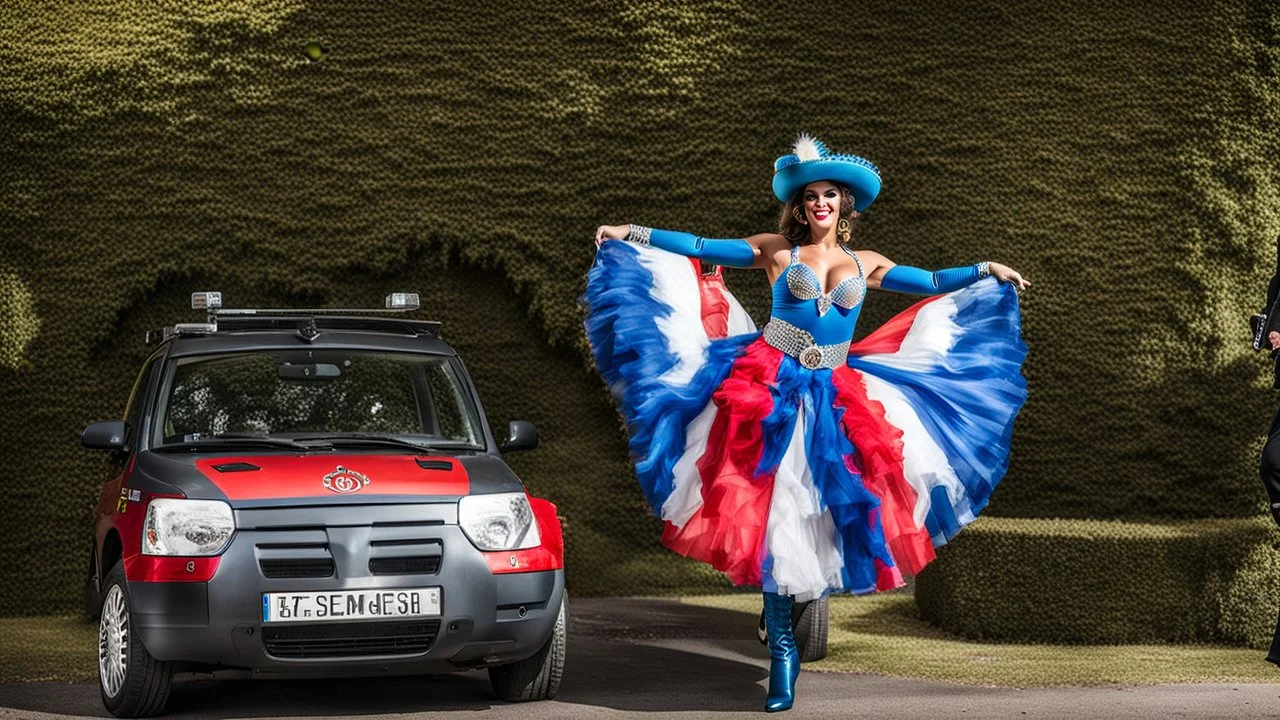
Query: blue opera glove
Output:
(907,279)
(732,252)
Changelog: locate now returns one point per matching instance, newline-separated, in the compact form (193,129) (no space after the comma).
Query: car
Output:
(312,493)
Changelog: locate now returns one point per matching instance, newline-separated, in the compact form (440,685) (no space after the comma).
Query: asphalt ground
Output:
(652,658)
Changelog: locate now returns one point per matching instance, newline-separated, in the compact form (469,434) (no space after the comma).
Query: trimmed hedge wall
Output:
(1121,155)
(1086,581)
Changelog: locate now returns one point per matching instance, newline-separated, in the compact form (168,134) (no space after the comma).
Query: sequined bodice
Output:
(798,299)
(803,282)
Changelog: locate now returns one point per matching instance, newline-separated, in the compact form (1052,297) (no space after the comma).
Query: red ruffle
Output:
(715,301)
(728,531)
(879,460)
(888,337)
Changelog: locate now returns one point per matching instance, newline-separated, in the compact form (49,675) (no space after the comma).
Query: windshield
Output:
(335,395)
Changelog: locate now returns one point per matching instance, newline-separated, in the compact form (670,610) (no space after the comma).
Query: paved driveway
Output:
(648,658)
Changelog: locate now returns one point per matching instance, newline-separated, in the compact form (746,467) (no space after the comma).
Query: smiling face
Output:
(821,204)
(815,210)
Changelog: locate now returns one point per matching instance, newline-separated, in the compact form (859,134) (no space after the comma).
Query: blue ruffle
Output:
(861,536)
(969,401)
(632,355)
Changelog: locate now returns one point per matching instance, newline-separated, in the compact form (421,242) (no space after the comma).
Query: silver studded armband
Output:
(638,234)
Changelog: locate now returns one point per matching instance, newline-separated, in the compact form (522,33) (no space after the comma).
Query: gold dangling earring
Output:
(842,230)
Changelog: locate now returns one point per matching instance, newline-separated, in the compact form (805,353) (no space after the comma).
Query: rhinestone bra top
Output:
(803,283)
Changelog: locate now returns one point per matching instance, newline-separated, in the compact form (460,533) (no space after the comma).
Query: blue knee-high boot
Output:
(784,656)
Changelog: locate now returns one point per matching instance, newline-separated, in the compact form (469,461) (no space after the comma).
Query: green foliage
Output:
(48,649)
(18,320)
(1120,156)
(883,634)
(1247,596)
(1087,581)
(91,60)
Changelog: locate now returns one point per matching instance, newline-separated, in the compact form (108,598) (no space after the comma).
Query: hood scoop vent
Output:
(236,467)
(434,464)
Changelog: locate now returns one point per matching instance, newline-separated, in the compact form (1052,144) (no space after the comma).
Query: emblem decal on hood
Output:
(345,481)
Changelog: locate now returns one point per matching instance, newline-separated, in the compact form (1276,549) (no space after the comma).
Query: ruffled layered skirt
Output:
(796,480)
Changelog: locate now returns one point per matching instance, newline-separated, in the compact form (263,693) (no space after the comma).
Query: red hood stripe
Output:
(300,476)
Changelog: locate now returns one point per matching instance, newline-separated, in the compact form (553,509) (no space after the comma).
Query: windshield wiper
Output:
(366,439)
(216,442)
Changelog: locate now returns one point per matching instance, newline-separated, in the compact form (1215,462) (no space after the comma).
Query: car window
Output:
(307,393)
(450,402)
(137,399)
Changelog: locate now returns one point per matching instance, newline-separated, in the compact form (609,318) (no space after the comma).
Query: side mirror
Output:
(521,435)
(105,435)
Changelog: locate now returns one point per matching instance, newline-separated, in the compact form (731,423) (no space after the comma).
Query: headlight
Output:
(499,522)
(176,526)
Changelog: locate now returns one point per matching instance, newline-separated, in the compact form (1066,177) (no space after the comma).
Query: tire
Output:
(536,677)
(92,596)
(811,630)
(809,621)
(132,683)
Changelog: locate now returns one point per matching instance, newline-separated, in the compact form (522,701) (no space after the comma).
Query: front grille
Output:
(427,565)
(350,639)
(297,567)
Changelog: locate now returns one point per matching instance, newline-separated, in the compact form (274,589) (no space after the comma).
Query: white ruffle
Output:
(675,284)
(925,346)
(739,321)
(924,349)
(686,482)
(801,535)
(924,463)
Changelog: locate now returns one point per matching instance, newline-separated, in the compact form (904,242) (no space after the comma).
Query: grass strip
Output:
(877,634)
(50,649)
(883,634)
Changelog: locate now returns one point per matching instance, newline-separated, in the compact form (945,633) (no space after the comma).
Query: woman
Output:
(788,458)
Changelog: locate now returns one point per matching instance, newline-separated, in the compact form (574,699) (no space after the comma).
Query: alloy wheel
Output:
(113,642)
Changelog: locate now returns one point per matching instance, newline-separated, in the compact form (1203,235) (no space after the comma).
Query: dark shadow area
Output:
(620,657)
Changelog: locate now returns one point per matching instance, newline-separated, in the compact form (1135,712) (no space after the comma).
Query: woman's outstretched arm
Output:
(885,274)
(733,252)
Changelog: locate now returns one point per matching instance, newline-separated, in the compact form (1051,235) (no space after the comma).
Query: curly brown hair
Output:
(797,232)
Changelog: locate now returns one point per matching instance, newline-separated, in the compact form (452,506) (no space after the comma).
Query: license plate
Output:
(350,605)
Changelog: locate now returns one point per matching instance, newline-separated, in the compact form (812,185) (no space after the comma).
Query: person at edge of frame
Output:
(1269,468)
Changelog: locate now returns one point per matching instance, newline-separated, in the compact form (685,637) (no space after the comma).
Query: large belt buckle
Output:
(811,357)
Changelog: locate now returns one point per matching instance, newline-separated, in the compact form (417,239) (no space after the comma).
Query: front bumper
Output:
(486,619)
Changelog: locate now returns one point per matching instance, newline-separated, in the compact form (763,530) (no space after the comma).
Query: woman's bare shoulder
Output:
(770,249)
(871,259)
(768,241)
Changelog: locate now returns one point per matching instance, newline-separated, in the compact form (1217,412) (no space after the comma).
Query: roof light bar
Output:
(206,300)
(394,303)
(211,303)
(162,334)
(402,301)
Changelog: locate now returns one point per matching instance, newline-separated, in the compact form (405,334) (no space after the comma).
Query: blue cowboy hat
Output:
(811,161)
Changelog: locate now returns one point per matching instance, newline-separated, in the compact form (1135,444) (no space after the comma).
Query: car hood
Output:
(258,479)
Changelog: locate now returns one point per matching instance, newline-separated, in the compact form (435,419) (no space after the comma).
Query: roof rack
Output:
(308,323)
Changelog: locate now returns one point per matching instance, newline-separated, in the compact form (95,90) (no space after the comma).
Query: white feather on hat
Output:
(807,148)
